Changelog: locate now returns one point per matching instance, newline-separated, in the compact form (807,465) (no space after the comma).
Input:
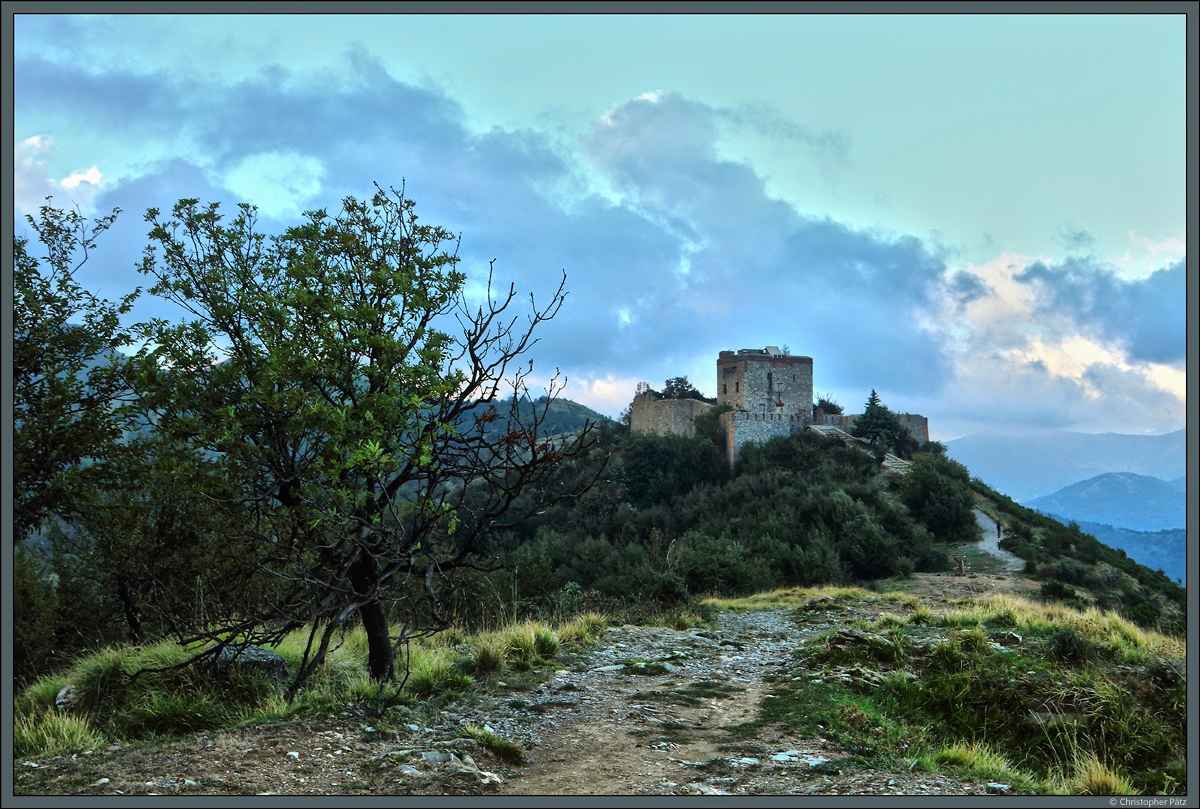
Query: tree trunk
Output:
(131,616)
(379,643)
(374,618)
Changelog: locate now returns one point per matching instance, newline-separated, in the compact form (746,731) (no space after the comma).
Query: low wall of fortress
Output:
(917,425)
(664,416)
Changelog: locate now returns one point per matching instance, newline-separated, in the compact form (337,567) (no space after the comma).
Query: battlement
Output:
(745,415)
(770,394)
(765,380)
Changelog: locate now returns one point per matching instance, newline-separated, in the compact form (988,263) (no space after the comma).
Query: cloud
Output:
(278,183)
(1074,239)
(1022,364)
(692,247)
(757,272)
(32,182)
(965,287)
(685,254)
(1147,317)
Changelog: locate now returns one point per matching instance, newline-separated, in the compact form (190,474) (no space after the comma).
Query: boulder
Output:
(254,658)
(67,698)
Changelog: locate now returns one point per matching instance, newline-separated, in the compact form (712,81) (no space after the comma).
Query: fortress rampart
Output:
(918,426)
(741,426)
(770,393)
(664,416)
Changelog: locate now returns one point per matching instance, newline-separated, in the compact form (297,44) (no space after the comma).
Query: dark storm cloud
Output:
(770,275)
(1147,316)
(693,252)
(965,287)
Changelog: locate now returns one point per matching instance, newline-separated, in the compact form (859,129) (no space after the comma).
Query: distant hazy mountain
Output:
(1028,466)
(1161,550)
(1121,499)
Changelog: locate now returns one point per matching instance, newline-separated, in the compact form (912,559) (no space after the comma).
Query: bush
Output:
(938,492)
(717,565)
(1067,645)
(1057,591)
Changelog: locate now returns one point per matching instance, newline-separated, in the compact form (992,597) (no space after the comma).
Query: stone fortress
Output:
(771,394)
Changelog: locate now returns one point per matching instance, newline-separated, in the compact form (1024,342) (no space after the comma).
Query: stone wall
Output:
(771,394)
(764,380)
(741,426)
(917,425)
(664,416)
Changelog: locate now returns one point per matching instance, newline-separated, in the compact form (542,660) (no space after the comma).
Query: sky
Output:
(981,217)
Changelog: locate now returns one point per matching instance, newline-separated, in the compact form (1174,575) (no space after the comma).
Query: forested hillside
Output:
(385,518)
(668,521)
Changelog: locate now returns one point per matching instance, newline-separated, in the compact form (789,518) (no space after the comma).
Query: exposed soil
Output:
(648,711)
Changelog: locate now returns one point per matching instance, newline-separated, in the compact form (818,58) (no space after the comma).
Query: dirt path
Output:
(648,711)
(990,543)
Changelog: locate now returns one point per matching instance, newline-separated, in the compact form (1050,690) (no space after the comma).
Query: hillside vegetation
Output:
(666,533)
(668,521)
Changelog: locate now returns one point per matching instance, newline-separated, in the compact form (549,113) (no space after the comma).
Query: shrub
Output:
(489,655)
(1067,645)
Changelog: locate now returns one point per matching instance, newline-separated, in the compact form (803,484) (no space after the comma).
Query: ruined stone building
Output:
(771,394)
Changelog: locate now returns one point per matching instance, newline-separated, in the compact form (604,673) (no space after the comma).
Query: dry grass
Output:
(1090,776)
(797,597)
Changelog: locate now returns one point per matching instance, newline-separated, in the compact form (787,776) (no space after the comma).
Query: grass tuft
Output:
(498,746)
(49,733)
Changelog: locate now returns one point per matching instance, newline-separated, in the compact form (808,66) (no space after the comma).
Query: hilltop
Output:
(854,658)
(1121,499)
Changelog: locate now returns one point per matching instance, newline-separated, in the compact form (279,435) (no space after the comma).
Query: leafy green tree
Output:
(882,429)
(69,380)
(826,404)
(678,387)
(348,391)
(149,542)
(938,493)
(876,423)
(708,426)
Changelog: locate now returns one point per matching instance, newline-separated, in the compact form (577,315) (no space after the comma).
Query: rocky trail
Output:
(647,711)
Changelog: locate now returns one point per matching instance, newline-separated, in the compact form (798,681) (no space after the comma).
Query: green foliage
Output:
(876,424)
(1068,645)
(679,388)
(708,426)
(50,733)
(35,604)
(69,380)
(316,378)
(710,564)
(826,404)
(937,492)
(1063,694)
(503,749)
(657,468)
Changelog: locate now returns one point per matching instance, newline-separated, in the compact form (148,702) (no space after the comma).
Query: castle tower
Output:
(766,381)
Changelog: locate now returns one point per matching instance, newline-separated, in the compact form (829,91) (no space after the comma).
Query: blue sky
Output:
(980,216)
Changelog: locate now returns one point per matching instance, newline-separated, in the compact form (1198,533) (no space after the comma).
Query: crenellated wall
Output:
(741,427)
(771,394)
(917,425)
(765,380)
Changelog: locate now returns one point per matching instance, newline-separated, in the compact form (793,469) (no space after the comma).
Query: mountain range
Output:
(1121,499)
(1030,466)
